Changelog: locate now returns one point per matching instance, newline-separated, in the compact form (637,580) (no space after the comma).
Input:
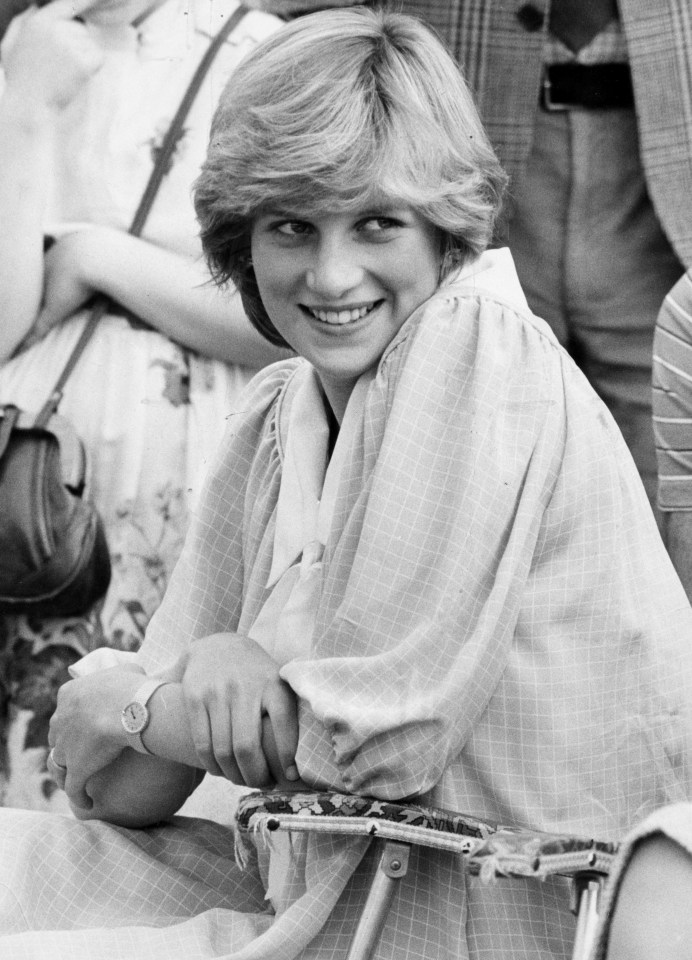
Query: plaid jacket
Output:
(502,62)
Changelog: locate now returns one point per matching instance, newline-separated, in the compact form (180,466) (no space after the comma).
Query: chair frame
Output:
(489,850)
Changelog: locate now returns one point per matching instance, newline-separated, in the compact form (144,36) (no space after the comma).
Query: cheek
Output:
(417,281)
(416,273)
(274,273)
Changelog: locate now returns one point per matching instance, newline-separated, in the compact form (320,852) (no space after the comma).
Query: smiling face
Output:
(338,286)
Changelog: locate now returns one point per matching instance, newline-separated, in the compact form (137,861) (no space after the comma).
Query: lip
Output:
(340,315)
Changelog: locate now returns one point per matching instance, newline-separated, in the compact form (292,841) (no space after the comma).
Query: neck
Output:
(337,395)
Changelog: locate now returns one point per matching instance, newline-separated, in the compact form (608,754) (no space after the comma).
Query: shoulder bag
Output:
(54,558)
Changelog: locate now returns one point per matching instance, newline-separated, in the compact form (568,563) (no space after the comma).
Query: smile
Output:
(342,316)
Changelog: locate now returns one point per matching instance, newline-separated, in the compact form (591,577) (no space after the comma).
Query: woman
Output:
(84,105)
(423,564)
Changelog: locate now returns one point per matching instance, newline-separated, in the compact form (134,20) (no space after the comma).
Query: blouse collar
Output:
(309,480)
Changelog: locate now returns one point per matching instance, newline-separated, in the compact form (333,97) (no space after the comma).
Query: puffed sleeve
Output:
(208,586)
(499,530)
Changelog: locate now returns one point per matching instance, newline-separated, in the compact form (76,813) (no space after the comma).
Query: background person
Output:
(672,407)
(600,211)
(646,908)
(84,105)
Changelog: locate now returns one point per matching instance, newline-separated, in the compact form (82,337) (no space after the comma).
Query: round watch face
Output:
(135,717)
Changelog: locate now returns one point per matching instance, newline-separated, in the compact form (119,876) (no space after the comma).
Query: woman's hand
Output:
(66,284)
(48,56)
(230,685)
(85,732)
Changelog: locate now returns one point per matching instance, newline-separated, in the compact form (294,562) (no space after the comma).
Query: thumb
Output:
(45,321)
(67,9)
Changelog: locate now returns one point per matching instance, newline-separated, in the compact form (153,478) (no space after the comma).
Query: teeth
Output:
(341,316)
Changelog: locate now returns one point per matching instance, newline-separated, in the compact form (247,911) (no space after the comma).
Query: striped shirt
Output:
(672,397)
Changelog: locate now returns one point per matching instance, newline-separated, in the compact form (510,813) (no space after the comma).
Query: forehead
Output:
(315,199)
(300,211)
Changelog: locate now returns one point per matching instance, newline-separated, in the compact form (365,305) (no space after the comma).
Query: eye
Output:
(380,227)
(292,228)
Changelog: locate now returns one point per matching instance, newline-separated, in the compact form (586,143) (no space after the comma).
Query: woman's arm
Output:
(137,791)
(652,915)
(46,57)
(106,779)
(171,292)
(23,157)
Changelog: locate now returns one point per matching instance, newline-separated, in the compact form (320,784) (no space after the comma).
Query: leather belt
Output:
(598,86)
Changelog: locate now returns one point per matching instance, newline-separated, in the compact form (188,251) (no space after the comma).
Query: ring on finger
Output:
(51,759)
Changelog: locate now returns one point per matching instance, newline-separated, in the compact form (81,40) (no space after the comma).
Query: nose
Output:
(334,270)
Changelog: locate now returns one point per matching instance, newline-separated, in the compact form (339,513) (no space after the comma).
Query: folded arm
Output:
(47,58)
(171,292)
(254,736)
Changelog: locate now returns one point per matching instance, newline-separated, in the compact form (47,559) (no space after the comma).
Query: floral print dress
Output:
(149,412)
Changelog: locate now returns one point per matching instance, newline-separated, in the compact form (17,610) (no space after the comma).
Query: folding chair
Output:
(489,850)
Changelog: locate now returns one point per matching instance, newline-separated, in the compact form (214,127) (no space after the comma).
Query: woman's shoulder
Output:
(251,443)
(479,323)
(485,294)
(268,387)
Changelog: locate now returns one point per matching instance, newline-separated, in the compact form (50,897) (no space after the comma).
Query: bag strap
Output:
(9,414)
(101,303)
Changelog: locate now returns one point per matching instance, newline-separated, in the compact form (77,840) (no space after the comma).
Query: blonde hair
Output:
(337,110)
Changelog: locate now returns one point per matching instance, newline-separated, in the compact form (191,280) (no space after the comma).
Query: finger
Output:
(246,718)
(56,769)
(42,324)
(75,788)
(271,753)
(222,743)
(282,708)
(67,9)
(201,733)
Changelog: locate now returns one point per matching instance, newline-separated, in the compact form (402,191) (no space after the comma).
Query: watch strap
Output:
(142,696)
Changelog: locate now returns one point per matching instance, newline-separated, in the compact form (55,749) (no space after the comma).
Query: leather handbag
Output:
(54,558)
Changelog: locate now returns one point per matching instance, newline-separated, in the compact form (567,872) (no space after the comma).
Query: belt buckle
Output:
(547,102)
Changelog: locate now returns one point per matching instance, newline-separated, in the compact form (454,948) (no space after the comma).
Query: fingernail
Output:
(292,773)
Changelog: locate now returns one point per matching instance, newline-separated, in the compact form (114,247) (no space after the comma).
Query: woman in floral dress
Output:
(84,106)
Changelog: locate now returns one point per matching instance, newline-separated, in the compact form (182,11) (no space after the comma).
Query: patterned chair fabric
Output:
(491,850)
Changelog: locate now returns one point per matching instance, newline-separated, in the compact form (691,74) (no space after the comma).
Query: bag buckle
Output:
(547,102)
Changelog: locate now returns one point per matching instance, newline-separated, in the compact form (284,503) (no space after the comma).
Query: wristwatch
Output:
(135,715)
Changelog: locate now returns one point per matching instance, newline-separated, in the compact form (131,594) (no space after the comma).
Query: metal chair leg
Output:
(392,866)
(586,894)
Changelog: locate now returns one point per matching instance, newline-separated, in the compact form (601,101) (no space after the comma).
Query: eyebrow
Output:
(375,211)
(282,213)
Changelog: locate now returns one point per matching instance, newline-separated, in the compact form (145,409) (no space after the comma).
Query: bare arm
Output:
(652,914)
(171,292)
(108,780)
(136,790)
(46,56)
(23,151)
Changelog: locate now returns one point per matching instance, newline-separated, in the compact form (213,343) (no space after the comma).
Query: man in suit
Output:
(589,105)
